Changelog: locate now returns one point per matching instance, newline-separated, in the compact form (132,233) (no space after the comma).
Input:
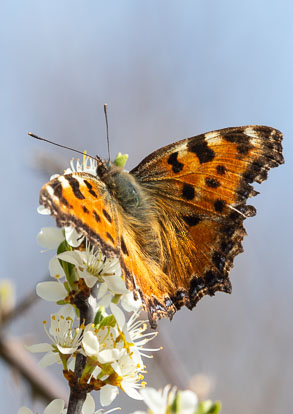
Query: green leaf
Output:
(68,268)
(108,321)
(174,405)
(208,407)
(99,317)
(116,299)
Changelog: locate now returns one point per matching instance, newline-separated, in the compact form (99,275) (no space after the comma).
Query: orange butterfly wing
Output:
(201,186)
(82,201)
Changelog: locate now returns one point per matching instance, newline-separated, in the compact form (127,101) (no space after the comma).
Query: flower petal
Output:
(108,394)
(155,400)
(116,284)
(187,402)
(49,359)
(102,290)
(119,315)
(66,311)
(110,355)
(89,279)
(72,257)
(66,350)
(129,303)
(105,301)
(43,210)
(24,410)
(50,237)
(90,344)
(139,412)
(133,393)
(73,237)
(96,371)
(89,405)
(51,291)
(55,407)
(55,268)
(43,347)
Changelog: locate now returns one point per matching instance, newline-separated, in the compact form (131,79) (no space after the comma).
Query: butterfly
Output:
(176,220)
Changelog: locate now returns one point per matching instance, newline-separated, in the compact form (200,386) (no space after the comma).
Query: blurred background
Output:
(168,70)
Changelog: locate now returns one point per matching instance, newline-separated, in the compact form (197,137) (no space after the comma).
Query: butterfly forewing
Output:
(82,201)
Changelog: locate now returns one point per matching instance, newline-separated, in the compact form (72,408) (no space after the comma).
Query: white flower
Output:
(130,372)
(94,267)
(55,269)
(65,339)
(55,407)
(108,393)
(7,296)
(134,335)
(187,402)
(43,211)
(51,291)
(102,344)
(62,333)
(88,165)
(90,408)
(129,303)
(50,237)
(122,347)
(159,402)
(72,237)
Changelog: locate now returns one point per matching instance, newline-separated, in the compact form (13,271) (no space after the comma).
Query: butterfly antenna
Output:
(59,145)
(107,127)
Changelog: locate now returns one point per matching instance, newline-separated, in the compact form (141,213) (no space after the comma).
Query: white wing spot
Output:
(213,137)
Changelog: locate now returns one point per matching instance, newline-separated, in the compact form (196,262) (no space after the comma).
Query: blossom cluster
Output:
(171,401)
(113,343)
(166,401)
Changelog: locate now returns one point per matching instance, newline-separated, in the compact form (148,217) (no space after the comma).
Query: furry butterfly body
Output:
(176,220)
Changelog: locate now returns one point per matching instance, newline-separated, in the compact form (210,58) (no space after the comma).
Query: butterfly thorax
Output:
(121,185)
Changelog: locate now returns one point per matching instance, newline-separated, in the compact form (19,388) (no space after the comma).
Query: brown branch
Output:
(43,384)
(23,306)
(77,391)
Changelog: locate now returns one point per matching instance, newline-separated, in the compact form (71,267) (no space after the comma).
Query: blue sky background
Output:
(168,70)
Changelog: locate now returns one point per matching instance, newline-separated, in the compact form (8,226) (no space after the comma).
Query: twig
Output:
(23,306)
(42,383)
(77,392)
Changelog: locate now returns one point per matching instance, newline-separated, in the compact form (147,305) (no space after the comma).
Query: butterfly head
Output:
(103,167)
(120,183)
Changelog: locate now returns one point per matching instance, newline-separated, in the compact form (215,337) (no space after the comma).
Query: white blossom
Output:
(94,267)
(113,347)
(65,339)
(57,407)
(50,237)
(51,291)
(160,401)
